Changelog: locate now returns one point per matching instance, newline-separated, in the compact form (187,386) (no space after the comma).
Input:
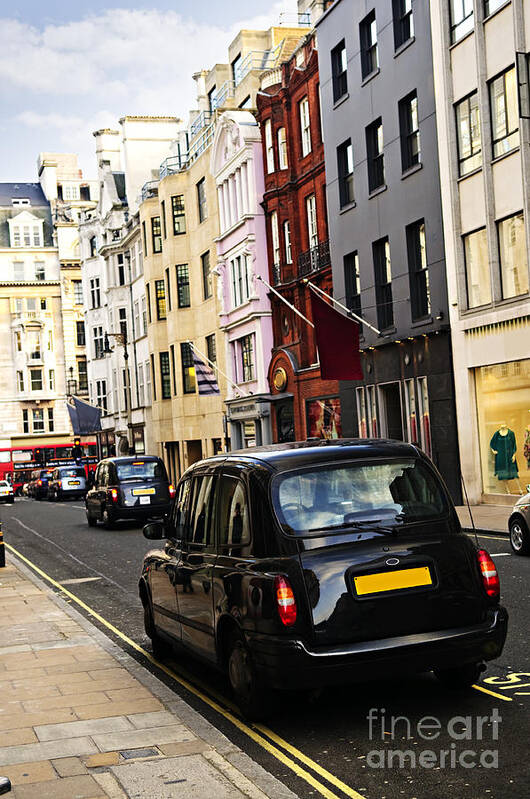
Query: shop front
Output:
(249,421)
(503,418)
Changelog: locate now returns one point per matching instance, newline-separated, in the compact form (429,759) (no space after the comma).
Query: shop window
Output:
(403,22)
(423,416)
(502,392)
(362,415)
(513,256)
(468,133)
(478,281)
(324,418)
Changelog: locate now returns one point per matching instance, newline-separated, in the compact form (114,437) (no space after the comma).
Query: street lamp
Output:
(71,384)
(121,339)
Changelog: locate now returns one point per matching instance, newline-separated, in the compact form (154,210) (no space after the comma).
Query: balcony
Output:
(257,59)
(173,164)
(200,122)
(294,20)
(225,92)
(314,259)
(149,190)
(201,143)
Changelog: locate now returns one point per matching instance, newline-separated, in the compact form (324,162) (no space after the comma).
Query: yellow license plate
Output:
(141,492)
(74,482)
(392,581)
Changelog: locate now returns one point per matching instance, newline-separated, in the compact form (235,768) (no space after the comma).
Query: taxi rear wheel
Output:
(460,676)
(91,520)
(108,520)
(253,698)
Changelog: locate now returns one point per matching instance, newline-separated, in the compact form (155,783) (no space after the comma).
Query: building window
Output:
(311,210)
(178,215)
(136,318)
(149,393)
(383,283)
(120,264)
(236,70)
(82,374)
(305,126)
(80,334)
(20,381)
(141,385)
(38,420)
(207,284)
(409,131)
(339,67)
(101,394)
(25,420)
(122,317)
(275,239)
(51,424)
(513,258)
(212,99)
(163,218)
(403,22)
(211,348)
(124,378)
(78,292)
(40,270)
(144,233)
(345,173)
(99,342)
(18,271)
(287,242)
(183,286)
(165,375)
(282,149)
(240,282)
(156,235)
(368,36)
(374,150)
(36,381)
(504,113)
(420,293)
(468,133)
(247,358)
(93,246)
(43,303)
(18,341)
(201,199)
(353,283)
(148,294)
(95,293)
(160,295)
(188,369)
(269,147)
(143,312)
(492,5)
(168,289)
(461,12)
(478,281)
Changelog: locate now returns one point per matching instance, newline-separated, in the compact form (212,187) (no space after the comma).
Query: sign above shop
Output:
(279,379)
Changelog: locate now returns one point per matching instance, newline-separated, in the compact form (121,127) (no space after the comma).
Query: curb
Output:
(200,726)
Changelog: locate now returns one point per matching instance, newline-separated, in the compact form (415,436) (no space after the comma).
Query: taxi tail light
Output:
(114,494)
(490,578)
(172,491)
(285,600)
(39,482)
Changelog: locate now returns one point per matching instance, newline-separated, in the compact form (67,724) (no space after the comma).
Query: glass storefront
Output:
(324,418)
(398,410)
(503,411)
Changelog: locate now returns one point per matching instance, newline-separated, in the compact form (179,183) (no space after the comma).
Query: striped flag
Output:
(206,382)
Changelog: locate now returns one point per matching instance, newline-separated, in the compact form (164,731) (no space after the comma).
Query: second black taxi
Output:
(299,565)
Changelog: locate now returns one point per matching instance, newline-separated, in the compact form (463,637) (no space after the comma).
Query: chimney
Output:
(108,151)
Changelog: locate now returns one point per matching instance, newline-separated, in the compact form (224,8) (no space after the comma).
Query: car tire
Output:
(161,648)
(252,697)
(519,537)
(108,520)
(91,520)
(460,677)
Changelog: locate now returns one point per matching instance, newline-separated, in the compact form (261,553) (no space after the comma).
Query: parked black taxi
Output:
(304,564)
(131,487)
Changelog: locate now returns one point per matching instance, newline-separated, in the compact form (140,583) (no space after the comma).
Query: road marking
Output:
(77,580)
(237,722)
(501,554)
(492,693)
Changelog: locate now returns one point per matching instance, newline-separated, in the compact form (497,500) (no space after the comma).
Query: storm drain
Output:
(133,754)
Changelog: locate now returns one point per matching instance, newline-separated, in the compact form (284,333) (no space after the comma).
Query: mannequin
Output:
(526,444)
(504,446)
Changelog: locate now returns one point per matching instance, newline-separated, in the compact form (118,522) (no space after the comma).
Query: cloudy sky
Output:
(69,68)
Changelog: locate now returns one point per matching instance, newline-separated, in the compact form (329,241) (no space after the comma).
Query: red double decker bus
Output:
(17,463)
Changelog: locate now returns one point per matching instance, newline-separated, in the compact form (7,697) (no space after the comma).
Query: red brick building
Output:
(294,202)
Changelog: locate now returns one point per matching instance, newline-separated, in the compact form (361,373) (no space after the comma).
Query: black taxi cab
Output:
(135,488)
(312,563)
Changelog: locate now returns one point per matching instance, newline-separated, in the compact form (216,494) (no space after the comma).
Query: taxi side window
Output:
(180,510)
(102,475)
(199,532)
(234,516)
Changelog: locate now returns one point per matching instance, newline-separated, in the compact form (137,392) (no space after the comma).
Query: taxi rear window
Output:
(141,470)
(75,471)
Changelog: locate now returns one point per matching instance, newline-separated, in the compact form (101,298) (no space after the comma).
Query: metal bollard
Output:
(2,548)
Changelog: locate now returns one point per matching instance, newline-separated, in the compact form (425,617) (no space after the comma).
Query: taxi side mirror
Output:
(155,531)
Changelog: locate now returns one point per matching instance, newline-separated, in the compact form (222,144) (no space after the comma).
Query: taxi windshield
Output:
(141,470)
(350,495)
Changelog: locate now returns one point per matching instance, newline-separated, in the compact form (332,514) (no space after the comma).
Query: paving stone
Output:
(48,750)
(76,729)
(117,708)
(84,787)
(15,721)
(95,685)
(51,702)
(160,719)
(102,759)
(25,735)
(29,772)
(69,766)
(141,738)
(124,694)
(190,777)
(184,748)
(110,785)
(103,664)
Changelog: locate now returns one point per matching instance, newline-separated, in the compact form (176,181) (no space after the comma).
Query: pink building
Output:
(237,166)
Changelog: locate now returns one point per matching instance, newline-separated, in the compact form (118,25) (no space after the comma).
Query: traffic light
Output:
(39,456)
(77,451)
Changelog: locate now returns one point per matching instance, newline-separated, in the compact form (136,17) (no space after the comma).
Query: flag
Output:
(206,382)
(337,341)
(85,418)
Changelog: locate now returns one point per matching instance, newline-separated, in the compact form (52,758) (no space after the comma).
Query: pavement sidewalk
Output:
(81,719)
(487,518)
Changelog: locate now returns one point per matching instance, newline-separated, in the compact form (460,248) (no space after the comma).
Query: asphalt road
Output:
(331,729)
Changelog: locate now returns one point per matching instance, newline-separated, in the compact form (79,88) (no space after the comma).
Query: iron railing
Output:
(291,20)
(257,59)
(149,190)
(201,143)
(173,164)
(221,96)
(314,259)
(200,122)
